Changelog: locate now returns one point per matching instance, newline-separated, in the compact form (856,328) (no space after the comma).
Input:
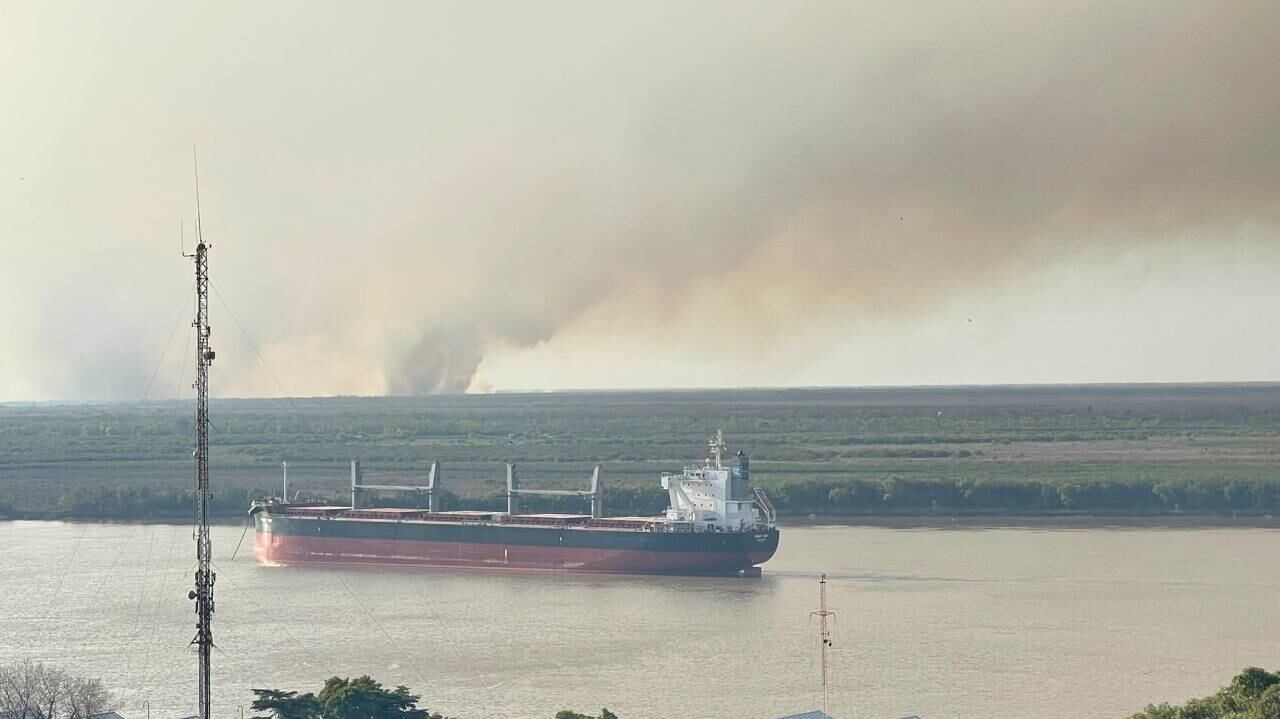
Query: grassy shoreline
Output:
(1058,451)
(1062,520)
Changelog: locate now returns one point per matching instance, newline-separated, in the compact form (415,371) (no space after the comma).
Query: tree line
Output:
(36,691)
(894,494)
(822,496)
(133,502)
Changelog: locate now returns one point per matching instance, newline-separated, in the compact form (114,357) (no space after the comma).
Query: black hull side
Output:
(287,539)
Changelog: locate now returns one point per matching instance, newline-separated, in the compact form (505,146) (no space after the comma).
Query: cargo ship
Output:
(715,524)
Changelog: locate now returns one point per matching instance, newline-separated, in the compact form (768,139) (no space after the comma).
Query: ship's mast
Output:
(203,593)
(822,615)
(716,449)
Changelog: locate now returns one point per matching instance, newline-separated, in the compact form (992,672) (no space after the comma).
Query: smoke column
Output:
(398,193)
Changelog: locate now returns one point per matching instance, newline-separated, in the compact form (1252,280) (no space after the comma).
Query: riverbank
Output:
(888,521)
(1140,450)
(1040,521)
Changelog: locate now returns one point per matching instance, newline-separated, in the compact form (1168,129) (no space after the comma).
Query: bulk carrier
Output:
(715,524)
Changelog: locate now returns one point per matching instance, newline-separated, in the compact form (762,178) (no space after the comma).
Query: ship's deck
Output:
(469,516)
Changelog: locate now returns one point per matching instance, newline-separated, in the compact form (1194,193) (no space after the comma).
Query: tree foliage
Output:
(131,502)
(342,698)
(1141,495)
(362,698)
(604,714)
(1117,450)
(285,705)
(1253,694)
(359,698)
(36,691)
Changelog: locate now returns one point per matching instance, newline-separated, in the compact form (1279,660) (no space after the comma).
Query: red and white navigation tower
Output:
(822,614)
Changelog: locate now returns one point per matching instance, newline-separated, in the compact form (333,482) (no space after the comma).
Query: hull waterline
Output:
(286,540)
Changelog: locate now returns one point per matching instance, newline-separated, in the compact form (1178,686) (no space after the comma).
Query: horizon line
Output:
(676,390)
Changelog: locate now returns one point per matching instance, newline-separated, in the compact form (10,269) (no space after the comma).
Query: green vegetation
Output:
(360,698)
(1140,495)
(998,450)
(131,502)
(1253,694)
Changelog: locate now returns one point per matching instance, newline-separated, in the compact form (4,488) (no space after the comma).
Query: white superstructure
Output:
(716,497)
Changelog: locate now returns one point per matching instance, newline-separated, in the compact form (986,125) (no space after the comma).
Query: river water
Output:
(997,622)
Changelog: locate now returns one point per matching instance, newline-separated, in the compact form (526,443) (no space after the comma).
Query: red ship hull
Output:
(651,553)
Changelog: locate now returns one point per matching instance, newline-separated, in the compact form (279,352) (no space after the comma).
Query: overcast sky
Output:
(418,197)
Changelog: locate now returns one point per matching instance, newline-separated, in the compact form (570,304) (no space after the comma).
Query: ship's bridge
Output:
(713,495)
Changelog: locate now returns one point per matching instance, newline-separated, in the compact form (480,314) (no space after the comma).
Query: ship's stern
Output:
(762,544)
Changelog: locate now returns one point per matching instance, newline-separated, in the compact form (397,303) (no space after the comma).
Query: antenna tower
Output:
(717,448)
(825,635)
(203,593)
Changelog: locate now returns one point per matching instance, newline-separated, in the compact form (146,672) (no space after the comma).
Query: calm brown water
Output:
(943,623)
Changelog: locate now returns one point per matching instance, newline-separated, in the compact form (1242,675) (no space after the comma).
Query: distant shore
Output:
(1045,521)
(1131,454)
(891,521)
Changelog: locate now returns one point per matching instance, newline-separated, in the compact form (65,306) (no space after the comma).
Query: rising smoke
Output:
(881,159)
(466,182)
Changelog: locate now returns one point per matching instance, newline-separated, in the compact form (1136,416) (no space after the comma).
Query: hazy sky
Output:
(416,197)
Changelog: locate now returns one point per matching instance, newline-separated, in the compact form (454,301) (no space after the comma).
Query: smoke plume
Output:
(397,194)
